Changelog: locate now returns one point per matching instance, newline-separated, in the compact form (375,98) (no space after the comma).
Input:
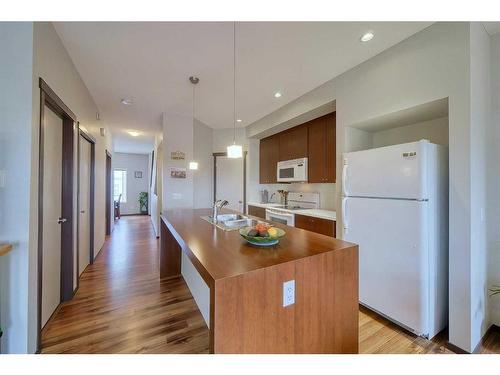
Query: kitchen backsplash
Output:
(327,192)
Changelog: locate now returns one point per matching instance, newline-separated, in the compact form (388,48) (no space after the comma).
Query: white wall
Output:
(430,65)
(133,163)
(480,98)
(194,190)
(203,177)
(224,137)
(52,62)
(436,131)
(356,139)
(38,52)
(16,44)
(177,136)
(493,187)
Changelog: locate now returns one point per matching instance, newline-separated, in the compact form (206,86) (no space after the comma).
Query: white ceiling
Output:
(150,62)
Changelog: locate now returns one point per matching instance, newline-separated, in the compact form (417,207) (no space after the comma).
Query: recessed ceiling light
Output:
(367,37)
(277,94)
(238,120)
(127,101)
(133,133)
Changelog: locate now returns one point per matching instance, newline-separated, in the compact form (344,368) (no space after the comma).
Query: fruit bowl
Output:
(269,238)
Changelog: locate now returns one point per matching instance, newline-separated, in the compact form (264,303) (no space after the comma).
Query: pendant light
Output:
(234,151)
(194,80)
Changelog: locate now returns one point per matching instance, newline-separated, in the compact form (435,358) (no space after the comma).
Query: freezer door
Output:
(387,172)
(393,257)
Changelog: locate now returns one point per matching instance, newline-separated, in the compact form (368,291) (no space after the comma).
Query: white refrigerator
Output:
(395,207)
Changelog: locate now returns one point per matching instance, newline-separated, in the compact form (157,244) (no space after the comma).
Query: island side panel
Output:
(327,308)
(170,254)
(249,316)
(248,312)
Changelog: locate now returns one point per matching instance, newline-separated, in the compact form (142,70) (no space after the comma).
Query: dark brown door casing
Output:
(50,99)
(108,193)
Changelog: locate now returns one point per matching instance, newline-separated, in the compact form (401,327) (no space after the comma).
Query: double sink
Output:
(231,221)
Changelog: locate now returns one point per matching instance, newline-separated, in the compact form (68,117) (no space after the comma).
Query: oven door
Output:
(280,217)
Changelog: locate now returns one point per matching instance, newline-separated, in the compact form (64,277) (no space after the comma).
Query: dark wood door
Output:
(293,143)
(269,154)
(331,148)
(317,150)
(322,155)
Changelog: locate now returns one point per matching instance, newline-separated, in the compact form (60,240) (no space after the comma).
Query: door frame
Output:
(88,137)
(108,192)
(244,159)
(50,99)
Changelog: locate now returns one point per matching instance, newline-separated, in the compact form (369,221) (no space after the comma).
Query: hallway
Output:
(122,307)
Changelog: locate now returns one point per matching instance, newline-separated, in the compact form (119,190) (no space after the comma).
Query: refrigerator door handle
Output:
(345,225)
(344,177)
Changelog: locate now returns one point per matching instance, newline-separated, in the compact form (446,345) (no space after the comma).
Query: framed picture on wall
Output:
(177,172)
(138,174)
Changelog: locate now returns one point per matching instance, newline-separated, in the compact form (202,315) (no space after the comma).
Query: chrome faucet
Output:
(271,198)
(218,204)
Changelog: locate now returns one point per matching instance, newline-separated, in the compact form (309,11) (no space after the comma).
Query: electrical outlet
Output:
(288,293)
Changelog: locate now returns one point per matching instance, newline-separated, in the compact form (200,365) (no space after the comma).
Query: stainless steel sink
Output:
(227,217)
(231,221)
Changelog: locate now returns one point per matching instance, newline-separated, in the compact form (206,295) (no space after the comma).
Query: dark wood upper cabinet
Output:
(315,140)
(322,141)
(331,147)
(269,157)
(293,143)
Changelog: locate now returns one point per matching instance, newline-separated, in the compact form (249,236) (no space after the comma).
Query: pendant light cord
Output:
(193,118)
(193,103)
(234,82)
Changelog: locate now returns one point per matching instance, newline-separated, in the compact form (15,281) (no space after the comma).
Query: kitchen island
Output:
(246,286)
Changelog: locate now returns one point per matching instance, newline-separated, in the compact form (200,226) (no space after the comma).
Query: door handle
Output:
(344,177)
(61,220)
(82,211)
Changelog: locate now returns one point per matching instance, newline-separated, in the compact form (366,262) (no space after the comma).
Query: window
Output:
(120,184)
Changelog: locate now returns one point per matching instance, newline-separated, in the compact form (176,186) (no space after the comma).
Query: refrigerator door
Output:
(387,172)
(393,257)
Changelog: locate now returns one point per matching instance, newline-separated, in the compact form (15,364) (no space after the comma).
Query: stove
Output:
(296,201)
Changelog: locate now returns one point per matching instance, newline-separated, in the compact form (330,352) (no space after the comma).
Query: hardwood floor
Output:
(123,307)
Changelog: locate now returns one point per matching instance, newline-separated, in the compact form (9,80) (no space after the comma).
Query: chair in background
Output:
(117,207)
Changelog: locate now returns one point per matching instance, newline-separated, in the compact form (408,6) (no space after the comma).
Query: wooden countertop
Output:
(218,254)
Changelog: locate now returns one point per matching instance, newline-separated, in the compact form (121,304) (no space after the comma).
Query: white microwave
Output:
(292,170)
